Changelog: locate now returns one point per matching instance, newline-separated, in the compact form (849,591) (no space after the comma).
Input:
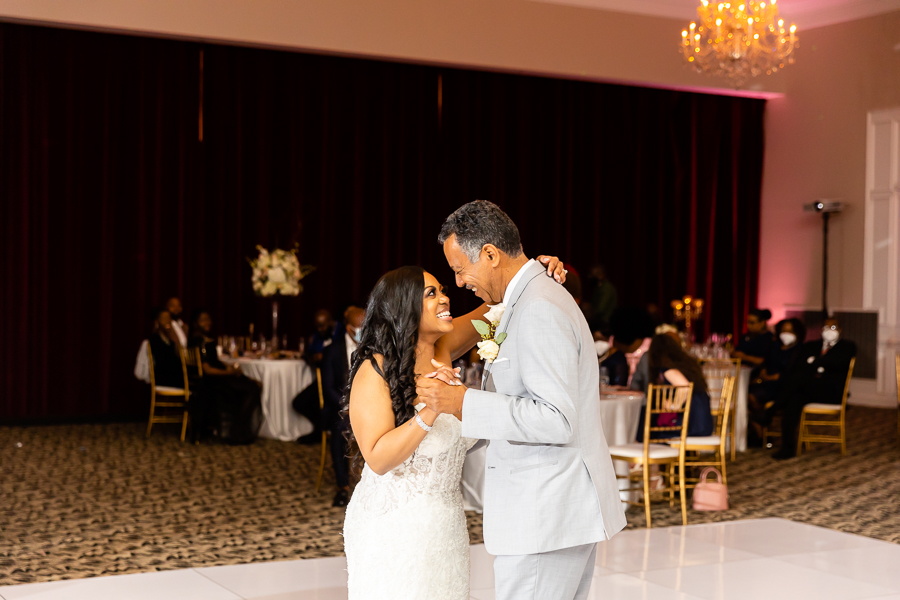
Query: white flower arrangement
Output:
(278,272)
(489,346)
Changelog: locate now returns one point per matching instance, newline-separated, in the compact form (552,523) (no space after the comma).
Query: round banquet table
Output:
(619,416)
(282,380)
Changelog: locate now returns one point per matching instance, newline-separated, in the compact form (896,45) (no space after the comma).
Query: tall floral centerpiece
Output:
(278,273)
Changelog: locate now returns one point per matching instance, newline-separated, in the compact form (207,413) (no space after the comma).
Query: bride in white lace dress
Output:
(405,532)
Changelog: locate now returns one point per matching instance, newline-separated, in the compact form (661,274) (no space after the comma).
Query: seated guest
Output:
(166,349)
(616,365)
(669,364)
(611,358)
(629,329)
(766,387)
(754,346)
(173,305)
(641,377)
(232,403)
(335,369)
(818,375)
(327,331)
(306,402)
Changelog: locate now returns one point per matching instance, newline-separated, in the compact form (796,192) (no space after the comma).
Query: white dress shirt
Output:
(178,326)
(351,347)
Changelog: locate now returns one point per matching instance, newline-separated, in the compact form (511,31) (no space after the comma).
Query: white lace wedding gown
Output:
(405,532)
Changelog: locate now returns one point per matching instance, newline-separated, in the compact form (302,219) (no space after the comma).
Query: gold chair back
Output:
(847,384)
(660,399)
(806,437)
(700,448)
(324,452)
(726,407)
(191,358)
(715,370)
(667,399)
(170,397)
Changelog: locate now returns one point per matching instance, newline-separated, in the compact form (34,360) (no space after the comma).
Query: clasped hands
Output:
(441,390)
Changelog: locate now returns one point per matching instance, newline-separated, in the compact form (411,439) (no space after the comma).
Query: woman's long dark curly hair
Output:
(665,353)
(391,329)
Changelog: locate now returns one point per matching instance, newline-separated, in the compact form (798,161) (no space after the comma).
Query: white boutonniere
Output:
(489,346)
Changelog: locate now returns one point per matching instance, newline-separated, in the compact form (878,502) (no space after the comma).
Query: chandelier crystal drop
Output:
(739,40)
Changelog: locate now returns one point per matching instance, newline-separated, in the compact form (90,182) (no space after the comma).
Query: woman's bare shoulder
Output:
(367,374)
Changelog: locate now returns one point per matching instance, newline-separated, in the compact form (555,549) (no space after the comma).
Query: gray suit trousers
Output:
(564,574)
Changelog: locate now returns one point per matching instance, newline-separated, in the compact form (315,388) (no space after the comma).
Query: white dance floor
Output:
(759,559)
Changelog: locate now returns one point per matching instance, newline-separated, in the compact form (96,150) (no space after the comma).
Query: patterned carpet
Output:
(87,500)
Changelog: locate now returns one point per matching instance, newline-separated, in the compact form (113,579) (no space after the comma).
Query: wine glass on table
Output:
(604,379)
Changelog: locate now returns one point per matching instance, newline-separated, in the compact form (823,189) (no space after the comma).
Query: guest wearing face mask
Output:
(818,375)
(765,388)
(336,361)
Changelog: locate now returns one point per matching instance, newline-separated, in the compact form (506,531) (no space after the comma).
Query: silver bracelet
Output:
(425,427)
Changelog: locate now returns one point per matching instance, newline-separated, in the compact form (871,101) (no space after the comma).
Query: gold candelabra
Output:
(687,309)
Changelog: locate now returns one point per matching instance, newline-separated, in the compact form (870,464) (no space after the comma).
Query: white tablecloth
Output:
(619,415)
(281,381)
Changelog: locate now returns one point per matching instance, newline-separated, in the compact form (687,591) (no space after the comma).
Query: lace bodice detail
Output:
(435,468)
(412,515)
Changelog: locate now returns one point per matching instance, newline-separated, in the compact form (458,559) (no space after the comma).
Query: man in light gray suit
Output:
(550,488)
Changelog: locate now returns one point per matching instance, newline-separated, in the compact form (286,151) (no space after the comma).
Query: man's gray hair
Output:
(478,223)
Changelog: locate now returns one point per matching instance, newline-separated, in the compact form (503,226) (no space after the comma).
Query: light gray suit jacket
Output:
(549,479)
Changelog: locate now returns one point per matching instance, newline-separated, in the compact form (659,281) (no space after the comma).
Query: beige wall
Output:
(816,148)
(815,133)
(509,35)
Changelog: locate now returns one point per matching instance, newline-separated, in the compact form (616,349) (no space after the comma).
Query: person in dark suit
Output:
(818,375)
(755,345)
(327,331)
(166,348)
(227,402)
(335,369)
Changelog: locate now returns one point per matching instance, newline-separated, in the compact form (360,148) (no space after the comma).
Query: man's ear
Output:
(492,254)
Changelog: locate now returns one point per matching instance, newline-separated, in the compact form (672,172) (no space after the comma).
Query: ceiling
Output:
(806,14)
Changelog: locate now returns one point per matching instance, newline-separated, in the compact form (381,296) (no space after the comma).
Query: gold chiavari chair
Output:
(660,399)
(192,359)
(806,438)
(714,443)
(171,393)
(325,433)
(715,370)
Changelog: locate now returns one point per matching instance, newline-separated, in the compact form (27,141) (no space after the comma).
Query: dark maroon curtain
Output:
(111,202)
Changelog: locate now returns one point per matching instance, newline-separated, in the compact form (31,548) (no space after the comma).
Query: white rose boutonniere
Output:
(488,350)
(489,347)
(496,313)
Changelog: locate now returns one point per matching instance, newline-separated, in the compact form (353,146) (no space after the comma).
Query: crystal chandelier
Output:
(739,40)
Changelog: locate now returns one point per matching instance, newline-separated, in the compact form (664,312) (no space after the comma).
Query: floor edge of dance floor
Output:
(771,558)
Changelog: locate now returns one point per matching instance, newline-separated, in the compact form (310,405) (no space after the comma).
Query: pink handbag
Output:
(710,495)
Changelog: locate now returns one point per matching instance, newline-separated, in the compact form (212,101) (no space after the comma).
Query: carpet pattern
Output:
(88,500)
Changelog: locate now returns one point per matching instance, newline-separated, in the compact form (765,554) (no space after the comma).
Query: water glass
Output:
(604,378)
